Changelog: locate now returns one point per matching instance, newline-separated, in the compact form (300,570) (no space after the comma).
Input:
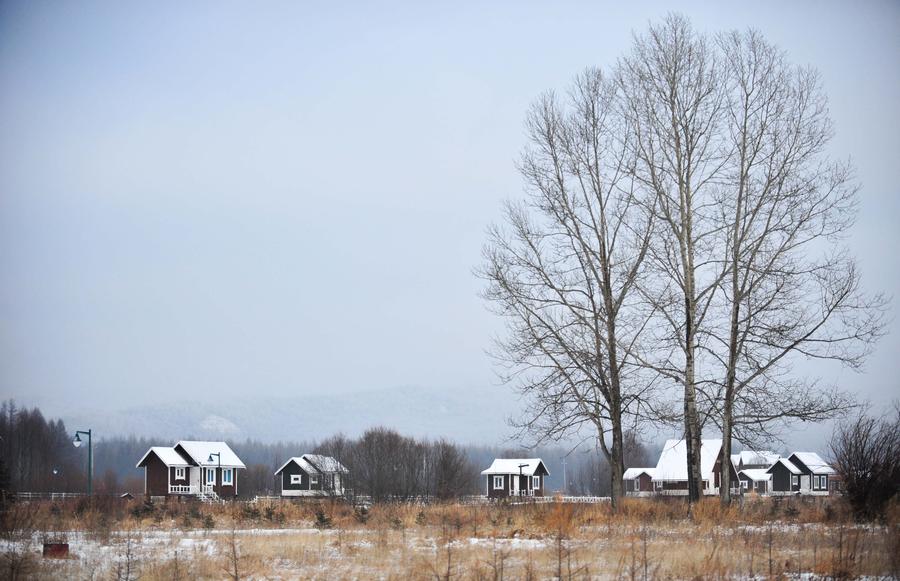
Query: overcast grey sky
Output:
(203,200)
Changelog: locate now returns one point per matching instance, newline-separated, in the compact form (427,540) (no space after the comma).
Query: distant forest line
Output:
(37,455)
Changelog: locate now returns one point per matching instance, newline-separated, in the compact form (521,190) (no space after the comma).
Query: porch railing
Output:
(190,489)
(182,489)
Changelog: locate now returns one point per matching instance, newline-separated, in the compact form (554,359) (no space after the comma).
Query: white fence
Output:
(49,495)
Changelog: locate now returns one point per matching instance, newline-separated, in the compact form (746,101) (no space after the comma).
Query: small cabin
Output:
(205,470)
(755,480)
(636,481)
(814,472)
(671,475)
(312,475)
(785,477)
(508,477)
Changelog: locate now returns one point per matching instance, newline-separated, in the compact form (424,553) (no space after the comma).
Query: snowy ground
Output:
(801,551)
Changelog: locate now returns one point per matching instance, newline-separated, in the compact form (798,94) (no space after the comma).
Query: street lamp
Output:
(520,478)
(77,443)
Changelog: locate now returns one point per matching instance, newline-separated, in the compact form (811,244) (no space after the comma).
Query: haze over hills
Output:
(466,417)
(412,411)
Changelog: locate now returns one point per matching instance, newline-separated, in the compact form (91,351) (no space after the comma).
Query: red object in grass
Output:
(56,550)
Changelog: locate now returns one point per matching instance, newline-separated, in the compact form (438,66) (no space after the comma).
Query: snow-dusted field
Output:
(455,542)
(742,552)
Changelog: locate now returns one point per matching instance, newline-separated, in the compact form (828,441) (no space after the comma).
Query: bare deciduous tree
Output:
(866,453)
(674,97)
(563,272)
(684,219)
(788,289)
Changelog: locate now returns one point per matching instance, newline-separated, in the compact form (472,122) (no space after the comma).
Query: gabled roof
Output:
(529,466)
(200,452)
(323,464)
(756,474)
(757,458)
(814,462)
(299,461)
(168,455)
(786,463)
(633,473)
(672,463)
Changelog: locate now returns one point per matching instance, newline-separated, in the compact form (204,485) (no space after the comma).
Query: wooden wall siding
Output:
(291,469)
(525,484)
(157,481)
(781,479)
(497,493)
(813,484)
(645,483)
(674,484)
(181,481)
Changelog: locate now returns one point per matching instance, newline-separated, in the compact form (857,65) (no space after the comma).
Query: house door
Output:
(804,482)
(514,484)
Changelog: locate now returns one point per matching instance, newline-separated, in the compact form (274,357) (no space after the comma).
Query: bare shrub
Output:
(866,454)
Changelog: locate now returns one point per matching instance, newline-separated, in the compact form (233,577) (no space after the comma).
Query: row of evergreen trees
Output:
(37,455)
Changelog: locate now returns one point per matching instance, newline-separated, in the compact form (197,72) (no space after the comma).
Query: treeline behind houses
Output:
(37,455)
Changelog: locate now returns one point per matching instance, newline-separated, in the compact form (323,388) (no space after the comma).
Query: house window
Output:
(795,480)
(536,482)
(210,475)
(313,480)
(745,484)
(179,474)
(637,483)
(295,479)
(227,475)
(498,483)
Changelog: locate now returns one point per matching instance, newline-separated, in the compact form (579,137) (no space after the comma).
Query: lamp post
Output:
(219,458)
(77,443)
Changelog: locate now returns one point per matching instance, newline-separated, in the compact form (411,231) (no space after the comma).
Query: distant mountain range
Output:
(479,418)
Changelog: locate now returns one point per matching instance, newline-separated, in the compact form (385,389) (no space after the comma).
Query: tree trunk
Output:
(691,418)
(617,462)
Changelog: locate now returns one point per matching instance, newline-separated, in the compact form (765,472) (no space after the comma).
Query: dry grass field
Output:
(648,539)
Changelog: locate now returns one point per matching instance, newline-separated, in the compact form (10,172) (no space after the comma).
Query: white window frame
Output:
(210,476)
(535,482)
(227,476)
(498,482)
(745,484)
(179,474)
(313,480)
(296,479)
(795,479)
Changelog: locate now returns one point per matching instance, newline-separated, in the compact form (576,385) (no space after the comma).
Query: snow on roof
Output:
(814,462)
(758,458)
(736,459)
(756,474)
(786,463)
(201,452)
(511,466)
(325,463)
(672,463)
(168,455)
(301,462)
(633,473)
(315,463)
